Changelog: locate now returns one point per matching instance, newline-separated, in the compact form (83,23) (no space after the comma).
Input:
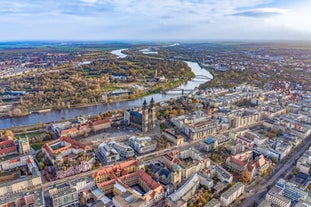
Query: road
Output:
(282,167)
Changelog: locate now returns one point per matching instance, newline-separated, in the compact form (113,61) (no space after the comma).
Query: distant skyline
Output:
(155,20)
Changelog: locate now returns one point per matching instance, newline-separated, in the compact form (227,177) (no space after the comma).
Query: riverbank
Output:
(162,87)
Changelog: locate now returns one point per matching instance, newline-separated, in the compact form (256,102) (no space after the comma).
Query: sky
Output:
(155,20)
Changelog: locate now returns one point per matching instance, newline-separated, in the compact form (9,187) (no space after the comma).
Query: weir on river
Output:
(64,114)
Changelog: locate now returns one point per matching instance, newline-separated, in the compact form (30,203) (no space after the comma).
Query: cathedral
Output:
(145,119)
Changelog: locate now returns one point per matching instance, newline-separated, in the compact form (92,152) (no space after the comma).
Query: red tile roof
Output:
(67,131)
(75,143)
(103,121)
(6,139)
(85,126)
(8,150)
(13,161)
(72,144)
(7,145)
(139,174)
(147,179)
(237,162)
(119,166)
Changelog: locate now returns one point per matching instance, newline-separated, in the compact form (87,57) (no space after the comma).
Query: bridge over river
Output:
(184,91)
(178,91)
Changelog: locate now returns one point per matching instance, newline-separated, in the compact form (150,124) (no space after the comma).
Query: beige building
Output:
(197,163)
(245,162)
(101,124)
(175,139)
(12,187)
(244,118)
(234,147)
(142,144)
(11,184)
(128,199)
(119,178)
(304,162)
(64,196)
(200,130)
(33,198)
(180,197)
(196,126)
(23,146)
(58,150)
(222,174)
(209,145)
(185,163)
(231,194)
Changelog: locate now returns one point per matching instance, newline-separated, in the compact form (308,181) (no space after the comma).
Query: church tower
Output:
(23,145)
(152,115)
(145,117)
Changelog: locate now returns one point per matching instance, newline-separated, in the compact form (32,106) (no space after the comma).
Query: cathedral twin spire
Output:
(148,116)
(151,105)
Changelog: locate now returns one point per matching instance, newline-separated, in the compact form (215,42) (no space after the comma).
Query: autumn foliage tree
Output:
(6,133)
(245,176)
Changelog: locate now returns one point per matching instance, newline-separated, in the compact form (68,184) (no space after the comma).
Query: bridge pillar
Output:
(182,91)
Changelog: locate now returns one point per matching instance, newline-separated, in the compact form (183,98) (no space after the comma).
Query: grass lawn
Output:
(37,146)
(23,133)
(33,134)
(24,129)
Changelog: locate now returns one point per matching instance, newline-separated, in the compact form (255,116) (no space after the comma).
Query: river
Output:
(119,53)
(65,114)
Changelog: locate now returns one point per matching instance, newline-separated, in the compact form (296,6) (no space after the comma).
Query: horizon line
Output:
(157,41)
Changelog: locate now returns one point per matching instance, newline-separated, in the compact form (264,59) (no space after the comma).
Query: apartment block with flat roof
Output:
(232,194)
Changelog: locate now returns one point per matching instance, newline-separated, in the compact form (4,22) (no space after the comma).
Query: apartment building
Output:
(231,194)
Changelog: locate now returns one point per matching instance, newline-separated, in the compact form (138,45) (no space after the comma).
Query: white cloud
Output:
(152,19)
